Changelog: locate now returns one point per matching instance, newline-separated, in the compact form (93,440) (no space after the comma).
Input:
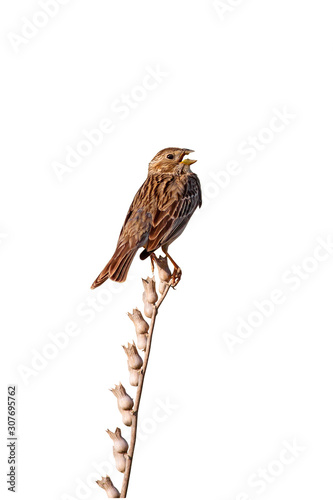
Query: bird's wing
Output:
(175,207)
(135,231)
(133,235)
(138,221)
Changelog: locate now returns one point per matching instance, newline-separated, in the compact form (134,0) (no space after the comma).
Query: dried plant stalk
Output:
(129,410)
(130,452)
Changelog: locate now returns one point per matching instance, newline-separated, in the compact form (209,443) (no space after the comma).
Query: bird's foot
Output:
(152,259)
(177,272)
(176,277)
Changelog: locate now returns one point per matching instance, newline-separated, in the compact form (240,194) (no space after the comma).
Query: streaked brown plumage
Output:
(158,214)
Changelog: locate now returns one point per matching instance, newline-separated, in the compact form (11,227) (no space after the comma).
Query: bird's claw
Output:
(176,276)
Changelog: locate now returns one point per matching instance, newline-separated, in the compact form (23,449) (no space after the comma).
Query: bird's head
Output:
(169,160)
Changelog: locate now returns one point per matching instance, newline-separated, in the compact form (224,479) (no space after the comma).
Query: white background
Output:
(231,412)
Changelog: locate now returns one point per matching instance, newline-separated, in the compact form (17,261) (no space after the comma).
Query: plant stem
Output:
(135,411)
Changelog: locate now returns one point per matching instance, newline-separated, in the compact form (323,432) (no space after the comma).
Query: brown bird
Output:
(158,214)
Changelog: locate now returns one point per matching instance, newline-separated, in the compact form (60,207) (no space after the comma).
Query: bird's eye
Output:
(170,157)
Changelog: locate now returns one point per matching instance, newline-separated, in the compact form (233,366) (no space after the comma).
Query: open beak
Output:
(187,161)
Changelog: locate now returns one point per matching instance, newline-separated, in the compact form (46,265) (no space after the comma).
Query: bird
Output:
(159,213)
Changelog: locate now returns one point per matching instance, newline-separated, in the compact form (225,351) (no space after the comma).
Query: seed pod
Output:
(126,417)
(134,359)
(141,325)
(164,272)
(120,461)
(161,286)
(150,294)
(142,342)
(134,377)
(107,485)
(120,444)
(125,402)
(147,307)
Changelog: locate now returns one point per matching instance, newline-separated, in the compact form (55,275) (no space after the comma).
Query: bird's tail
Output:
(117,268)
